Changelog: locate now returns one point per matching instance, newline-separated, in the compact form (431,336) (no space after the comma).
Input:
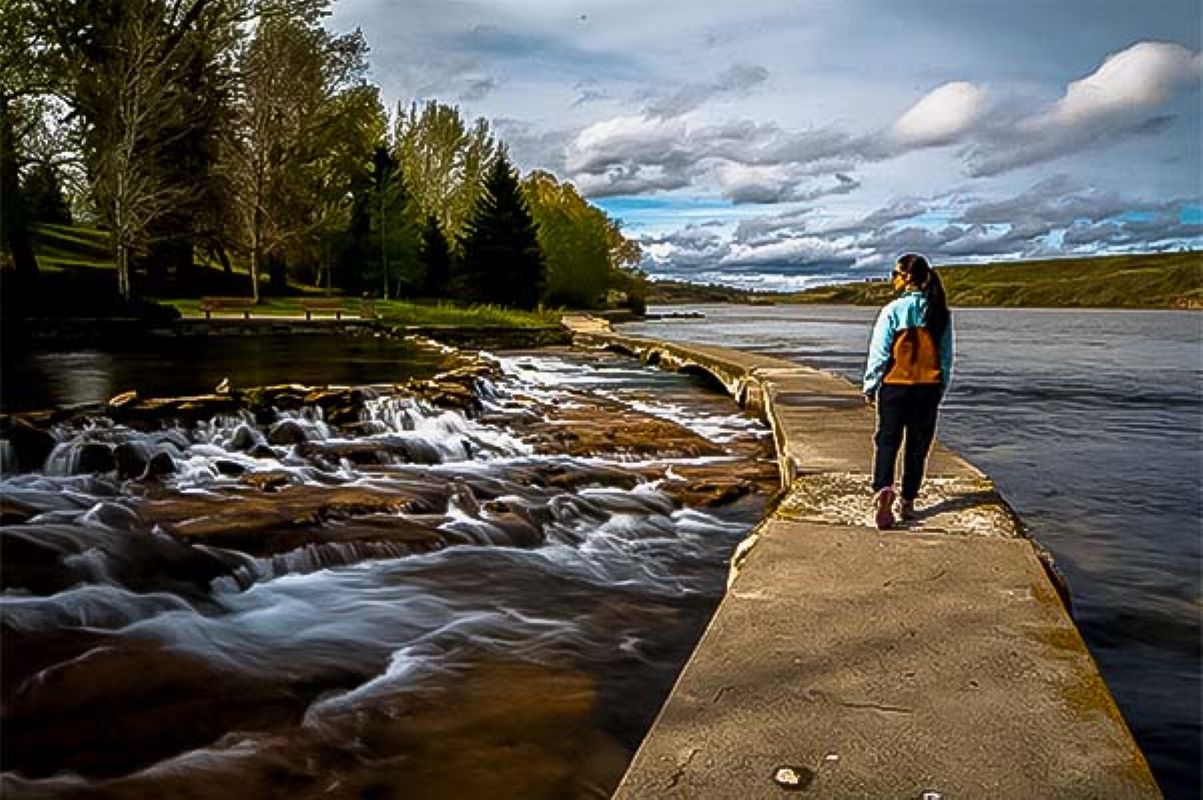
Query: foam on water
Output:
(519,569)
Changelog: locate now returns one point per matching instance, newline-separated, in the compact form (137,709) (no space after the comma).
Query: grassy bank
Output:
(1162,280)
(77,274)
(397,312)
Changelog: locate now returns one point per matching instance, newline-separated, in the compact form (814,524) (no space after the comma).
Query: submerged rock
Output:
(232,469)
(129,459)
(596,427)
(94,457)
(378,450)
(244,438)
(287,432)
(31,445)
(268,481)
(160,465)
(263,451)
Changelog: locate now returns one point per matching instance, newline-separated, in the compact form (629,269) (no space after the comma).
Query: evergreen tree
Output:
(44,194)
(502,262)
(435,259)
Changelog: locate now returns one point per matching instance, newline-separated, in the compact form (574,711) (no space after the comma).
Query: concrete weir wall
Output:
(933,661)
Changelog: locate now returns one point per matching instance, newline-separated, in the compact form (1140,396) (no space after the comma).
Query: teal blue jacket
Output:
(907,311)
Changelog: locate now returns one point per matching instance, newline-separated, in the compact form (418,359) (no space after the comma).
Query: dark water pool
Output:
(164,367)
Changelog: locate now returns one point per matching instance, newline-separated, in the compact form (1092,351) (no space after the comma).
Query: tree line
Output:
(243,131)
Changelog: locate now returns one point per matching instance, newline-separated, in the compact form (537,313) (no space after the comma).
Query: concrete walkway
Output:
(933,661)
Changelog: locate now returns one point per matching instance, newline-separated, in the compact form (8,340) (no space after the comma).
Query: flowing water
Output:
(1090,424)
(417,603)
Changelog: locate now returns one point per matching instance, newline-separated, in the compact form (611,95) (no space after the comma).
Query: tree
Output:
(444,161)
(294,73)
(343,145)
(502,262)
(574,237)
(136,105)
(136,74)
(27,71)
(435,259)
(44,195)
(395,241)
(380,242)
(191,155)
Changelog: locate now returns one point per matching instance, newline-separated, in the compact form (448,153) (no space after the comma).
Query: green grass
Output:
(1159,280)
(398,312)
(78,261)
(61,247)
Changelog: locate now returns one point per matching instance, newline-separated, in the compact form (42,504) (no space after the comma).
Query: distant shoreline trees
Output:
(243,132)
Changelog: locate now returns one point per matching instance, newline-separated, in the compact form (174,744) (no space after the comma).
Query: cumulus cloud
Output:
(1137,79)
(770,227)
(942,116)
(693,246)
(797,251)
(747,162)
(752,183)
(631,142)
(1056,215)
(633,180)
(1060,203)
(761,162)
(1114,102)
(776,183)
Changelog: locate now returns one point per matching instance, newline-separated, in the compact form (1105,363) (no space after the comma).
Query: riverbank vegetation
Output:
(1153,280)
(200,147)
(1147,280)
(398,312)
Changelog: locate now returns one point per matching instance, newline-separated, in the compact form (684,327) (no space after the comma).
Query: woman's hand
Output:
(869,400)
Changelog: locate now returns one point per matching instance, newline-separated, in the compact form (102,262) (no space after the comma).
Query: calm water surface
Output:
(165,367)
(1090,424)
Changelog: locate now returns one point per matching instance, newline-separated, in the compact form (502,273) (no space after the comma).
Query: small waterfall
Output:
(305,586)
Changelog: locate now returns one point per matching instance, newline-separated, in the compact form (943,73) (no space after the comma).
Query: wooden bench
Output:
(329,305)
(243,304)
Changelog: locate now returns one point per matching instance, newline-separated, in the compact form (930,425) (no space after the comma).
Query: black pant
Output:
(912,409)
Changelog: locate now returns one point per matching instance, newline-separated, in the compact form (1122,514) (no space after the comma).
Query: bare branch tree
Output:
(135,77)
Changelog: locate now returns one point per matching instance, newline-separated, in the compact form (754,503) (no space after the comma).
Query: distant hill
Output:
(1158,280)
(662,292)
(1154,280)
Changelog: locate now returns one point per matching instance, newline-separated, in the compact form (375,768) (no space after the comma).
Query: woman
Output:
(909,369)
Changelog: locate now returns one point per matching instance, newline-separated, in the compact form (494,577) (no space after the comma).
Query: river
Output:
(404,601)
(1090,424)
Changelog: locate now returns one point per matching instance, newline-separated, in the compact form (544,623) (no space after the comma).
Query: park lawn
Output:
(62,248)
(1155,280)
(401,312)
(393,312)
(66,247)
(80,260)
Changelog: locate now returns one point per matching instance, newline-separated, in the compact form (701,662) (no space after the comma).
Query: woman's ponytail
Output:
(919,273)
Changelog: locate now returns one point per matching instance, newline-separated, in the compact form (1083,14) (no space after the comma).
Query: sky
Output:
(777,144)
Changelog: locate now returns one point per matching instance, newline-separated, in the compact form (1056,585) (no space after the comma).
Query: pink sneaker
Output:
(883,504)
